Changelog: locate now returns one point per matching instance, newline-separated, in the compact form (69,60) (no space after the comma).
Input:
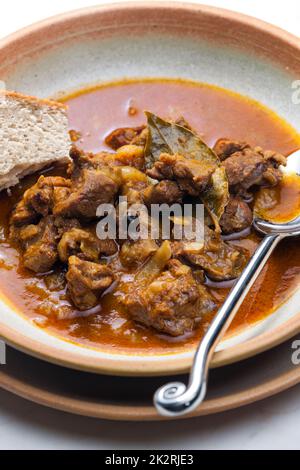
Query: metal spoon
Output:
(176,398)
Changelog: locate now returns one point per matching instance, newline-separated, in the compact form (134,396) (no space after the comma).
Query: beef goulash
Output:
(139,293)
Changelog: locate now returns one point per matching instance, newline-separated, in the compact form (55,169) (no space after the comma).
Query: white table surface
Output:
(270,424)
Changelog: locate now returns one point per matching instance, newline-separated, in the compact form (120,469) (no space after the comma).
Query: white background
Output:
(271,424)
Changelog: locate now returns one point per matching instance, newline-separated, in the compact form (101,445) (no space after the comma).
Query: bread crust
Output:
(33,100)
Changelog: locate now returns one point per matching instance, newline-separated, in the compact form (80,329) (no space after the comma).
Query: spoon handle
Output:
(175,398)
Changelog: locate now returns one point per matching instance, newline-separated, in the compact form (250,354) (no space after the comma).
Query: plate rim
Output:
(233,354)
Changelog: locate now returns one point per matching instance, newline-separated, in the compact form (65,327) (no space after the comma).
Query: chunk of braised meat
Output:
(236,217)
(84,245)
(123,136)
(135,253)
(63,225)
(88,191)
(85,160)
(22,215)
(165,192)
(81,160)
(39,242)
(192,176)
(38,200)
(226,147)
(253,167)
(128,155)
(135,135)
(108,247)
(219,260)
(172,303)
(86,281)
(40,197)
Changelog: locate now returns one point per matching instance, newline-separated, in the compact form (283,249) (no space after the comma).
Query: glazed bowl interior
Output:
(103,44)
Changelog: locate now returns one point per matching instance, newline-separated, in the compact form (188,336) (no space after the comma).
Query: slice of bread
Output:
(33,134)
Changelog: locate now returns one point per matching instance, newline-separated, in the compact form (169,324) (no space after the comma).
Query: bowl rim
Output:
(130,367)
(227,14)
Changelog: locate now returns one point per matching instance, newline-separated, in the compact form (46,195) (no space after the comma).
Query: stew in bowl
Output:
(196,144)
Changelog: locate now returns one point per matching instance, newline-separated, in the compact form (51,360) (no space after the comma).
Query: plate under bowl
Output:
(131,399)
(106,43)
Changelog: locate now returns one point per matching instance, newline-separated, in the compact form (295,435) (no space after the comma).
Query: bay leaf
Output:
(168,137)
(216,197)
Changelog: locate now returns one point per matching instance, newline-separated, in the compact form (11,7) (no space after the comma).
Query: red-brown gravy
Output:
(214,113)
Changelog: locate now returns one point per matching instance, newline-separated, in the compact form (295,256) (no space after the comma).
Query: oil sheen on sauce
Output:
(214,113)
